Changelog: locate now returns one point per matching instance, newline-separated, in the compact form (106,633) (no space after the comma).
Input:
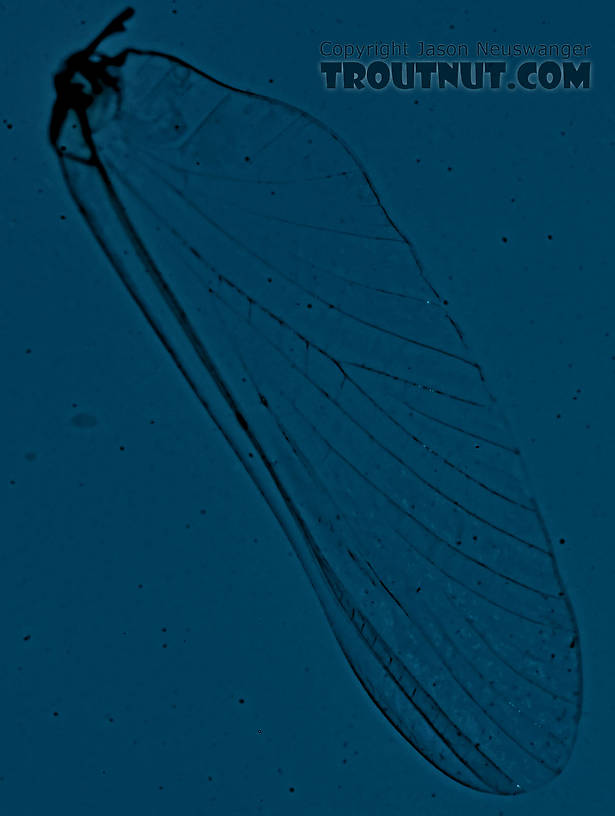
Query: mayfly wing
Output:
(258,251)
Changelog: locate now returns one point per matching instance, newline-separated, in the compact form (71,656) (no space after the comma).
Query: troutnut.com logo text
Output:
(384,64)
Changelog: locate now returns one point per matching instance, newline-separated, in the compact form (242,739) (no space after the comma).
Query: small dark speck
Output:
(30,456)
(164,646)
(246,158)
(562,541)
(122,447)
(139,586)
(271,81)
(11,481)
(28,351)
(62,218)
(28,637)
(291,790)
(450,169)
(56,714)
(9,126)
(549,237)
(241,701)
(504,239)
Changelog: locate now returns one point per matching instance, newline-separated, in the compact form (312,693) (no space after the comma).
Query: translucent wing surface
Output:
(259,252)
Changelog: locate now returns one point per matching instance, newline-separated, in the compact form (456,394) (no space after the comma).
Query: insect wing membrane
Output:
(259,252)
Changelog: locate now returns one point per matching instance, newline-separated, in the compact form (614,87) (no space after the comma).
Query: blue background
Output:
(153,587)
